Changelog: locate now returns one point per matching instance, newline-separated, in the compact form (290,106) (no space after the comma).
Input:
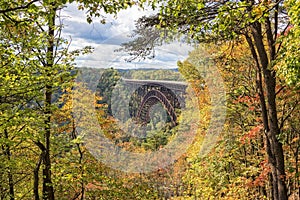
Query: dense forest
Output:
(66,132)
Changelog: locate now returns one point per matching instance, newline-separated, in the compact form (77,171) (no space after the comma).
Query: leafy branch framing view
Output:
(255,47)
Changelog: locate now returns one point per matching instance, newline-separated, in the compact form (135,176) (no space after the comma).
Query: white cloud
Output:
(107,38)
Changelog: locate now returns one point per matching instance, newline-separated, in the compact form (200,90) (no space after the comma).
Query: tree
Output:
(260,24)
(19,87)
(230,170)
(36,65)
(105,87)
(288,65)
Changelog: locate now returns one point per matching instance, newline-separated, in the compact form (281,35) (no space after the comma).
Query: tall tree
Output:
(36,65)
(19,86)
(260,23)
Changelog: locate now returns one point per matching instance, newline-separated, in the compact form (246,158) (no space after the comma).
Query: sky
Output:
(106,38)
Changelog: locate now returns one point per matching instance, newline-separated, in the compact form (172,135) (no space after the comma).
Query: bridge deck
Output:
(162,82)
(173,85)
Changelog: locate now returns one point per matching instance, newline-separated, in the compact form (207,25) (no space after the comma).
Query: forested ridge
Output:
(45,100)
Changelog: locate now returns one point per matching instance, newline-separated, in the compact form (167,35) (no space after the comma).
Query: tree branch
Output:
(18,7)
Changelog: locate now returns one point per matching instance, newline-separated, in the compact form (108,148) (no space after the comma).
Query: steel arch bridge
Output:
(170,94)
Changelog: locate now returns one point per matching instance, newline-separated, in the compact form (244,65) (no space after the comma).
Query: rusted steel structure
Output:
(151,92)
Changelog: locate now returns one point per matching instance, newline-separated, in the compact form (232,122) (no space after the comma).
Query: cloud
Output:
(77,26)
(106,38)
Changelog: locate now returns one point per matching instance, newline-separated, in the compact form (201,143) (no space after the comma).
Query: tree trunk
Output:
(274,131)
(36,178)
(48,190)
(9,170)
(80,161)
(264,111)
(269,112)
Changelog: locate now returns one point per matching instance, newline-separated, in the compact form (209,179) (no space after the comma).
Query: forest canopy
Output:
(252,45)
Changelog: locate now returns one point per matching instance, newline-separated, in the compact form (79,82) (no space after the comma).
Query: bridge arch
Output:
(147,96)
